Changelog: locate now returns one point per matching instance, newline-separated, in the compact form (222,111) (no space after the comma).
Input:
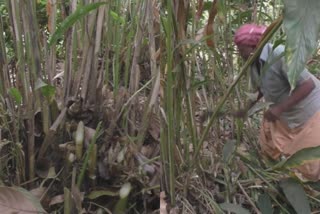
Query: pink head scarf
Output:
(249,34)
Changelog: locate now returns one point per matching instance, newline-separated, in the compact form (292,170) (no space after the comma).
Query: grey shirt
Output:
(272,80)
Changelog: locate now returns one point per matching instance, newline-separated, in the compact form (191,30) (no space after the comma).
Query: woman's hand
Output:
(298,94)
(273,113)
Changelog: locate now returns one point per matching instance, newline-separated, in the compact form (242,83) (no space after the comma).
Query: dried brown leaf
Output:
(77,197)
(113,153)
(154,127)
(199,10)
(49,11)
(147,150)
(38,192)
(155,179)
(174,210)
(209,27)
(67,147)
(18,200)
(103,169)
(156,11)
(56,200)
(182,9)
(88,135)
(147,168)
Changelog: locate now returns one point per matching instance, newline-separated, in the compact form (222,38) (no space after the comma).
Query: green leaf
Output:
(302,156)
(302,24)
(47,90)
(116,17)
(264,204)
(99,193)
(296,195)
(237,209)
(228,150)
(73,18)
(15,93)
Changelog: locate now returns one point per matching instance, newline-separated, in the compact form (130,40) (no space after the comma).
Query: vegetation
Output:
(212,162)
(115,106)
(79,107)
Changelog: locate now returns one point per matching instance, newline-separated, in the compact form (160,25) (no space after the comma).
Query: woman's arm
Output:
(298,94)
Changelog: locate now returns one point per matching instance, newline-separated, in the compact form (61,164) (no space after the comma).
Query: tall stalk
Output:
(4,79)
(32,48)
(135,68)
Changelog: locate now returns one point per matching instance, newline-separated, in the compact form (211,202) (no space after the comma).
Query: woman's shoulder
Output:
(278,50)
(272,54)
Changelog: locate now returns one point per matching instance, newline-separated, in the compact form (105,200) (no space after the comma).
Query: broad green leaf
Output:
(264,204)
(302,24)
(302,156)
(228,150)
(47,90)
(99,193)
(73,18)
(237,209)
(15,93)
(296,195)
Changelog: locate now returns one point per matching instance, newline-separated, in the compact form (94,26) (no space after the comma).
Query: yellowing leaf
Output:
(302,156)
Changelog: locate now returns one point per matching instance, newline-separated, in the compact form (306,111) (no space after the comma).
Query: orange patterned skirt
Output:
(277,139)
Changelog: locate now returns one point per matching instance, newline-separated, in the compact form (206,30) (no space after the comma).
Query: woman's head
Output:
(247,37)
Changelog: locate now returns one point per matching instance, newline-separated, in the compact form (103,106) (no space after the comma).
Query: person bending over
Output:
(292,121)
